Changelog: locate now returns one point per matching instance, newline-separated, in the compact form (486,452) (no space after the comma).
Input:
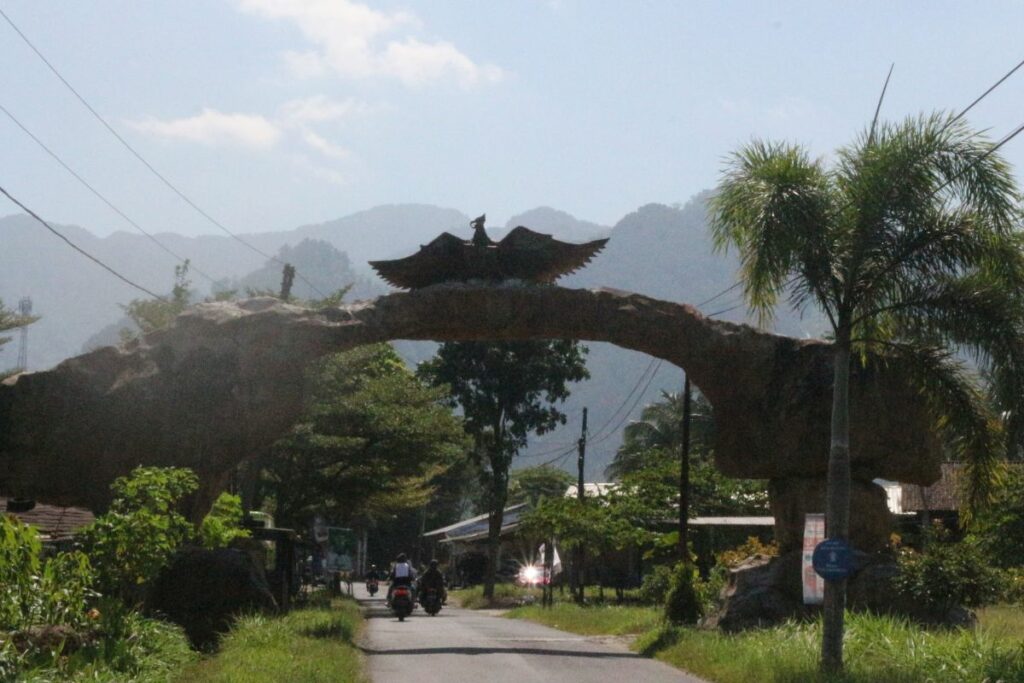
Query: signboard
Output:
(341,549)
(814,533)
(833,559)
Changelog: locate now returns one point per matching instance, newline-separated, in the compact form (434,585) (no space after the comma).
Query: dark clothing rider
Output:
(433,578)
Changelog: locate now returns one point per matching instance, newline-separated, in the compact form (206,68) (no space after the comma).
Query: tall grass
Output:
(506,596)
(148,651)
(590,621)
(876,649)
(312,645)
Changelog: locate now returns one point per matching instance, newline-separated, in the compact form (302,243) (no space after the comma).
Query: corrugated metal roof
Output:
(473,524)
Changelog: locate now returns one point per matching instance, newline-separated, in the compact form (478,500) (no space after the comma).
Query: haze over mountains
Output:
(657,250)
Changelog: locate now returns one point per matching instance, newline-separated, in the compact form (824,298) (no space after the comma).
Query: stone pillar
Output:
(791,498)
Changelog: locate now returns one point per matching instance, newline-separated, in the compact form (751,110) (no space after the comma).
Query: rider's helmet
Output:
(433,564)
(373,567)
(401,557)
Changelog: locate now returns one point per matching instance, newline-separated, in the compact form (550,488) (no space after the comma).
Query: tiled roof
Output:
(942,495)
(53,522)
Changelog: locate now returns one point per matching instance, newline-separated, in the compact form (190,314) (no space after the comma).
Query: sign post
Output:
(813,585)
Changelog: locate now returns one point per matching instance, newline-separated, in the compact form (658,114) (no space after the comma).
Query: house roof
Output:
(474,525)
(53,522)
(941,496)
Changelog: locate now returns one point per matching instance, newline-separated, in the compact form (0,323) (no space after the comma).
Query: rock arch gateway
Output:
(226,380)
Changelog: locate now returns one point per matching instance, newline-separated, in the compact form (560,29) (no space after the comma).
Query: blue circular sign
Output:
(833,559)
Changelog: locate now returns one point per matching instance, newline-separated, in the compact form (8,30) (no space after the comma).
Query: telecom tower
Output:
(25,309)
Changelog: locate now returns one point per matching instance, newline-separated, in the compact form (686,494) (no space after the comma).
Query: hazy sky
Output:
(275,113)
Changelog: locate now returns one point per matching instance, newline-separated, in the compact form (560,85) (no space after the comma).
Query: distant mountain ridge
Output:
(658,250)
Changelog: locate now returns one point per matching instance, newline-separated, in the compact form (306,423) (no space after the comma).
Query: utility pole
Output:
(24,310)
(580,495)
(684,475)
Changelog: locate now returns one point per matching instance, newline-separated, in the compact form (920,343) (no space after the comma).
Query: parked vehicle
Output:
(402,601)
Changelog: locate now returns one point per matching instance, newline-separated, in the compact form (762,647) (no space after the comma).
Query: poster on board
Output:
(814,533)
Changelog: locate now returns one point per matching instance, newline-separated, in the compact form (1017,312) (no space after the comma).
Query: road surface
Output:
(461,645)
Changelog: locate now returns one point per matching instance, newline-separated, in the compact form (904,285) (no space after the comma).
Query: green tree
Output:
(907,245)
(223,524)
(506,391)
(155,314)
(660,427)
(532,484)
(373,440)
(130,543)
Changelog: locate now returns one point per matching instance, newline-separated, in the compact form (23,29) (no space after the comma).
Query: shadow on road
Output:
(499,651)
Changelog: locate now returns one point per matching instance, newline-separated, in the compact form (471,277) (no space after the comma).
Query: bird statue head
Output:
(480,237)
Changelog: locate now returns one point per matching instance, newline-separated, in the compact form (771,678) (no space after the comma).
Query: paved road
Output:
(465,646)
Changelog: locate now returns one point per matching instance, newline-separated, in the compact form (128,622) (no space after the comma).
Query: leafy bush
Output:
(35,592)
(655,585)
(682,604)
(709,590)
(132,542)
(1012,586)
(223,524)
(948,574)
(752,546)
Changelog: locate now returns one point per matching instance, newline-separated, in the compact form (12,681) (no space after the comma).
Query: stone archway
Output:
(226,379)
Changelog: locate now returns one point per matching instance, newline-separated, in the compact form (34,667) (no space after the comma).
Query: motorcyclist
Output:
(402,574)
(374,574)
(433,578)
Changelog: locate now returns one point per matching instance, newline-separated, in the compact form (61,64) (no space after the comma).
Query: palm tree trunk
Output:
(837,502)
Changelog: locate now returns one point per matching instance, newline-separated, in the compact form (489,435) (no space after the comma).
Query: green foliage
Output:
(154,314)
(682,604)
(533,484)
(909,245)
(373,439)
(223,524)
(752,546)
(312,644)
(1000,528)
(34,591)
(879,649)
(948,574)
(135,539)
(655,584)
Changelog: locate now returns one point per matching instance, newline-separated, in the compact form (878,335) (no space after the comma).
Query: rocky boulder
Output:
(205,590)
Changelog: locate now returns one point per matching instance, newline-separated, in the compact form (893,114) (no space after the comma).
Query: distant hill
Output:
(662,251)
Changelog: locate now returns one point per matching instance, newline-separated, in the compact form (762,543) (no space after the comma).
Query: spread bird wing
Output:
(441,260)
(537,257)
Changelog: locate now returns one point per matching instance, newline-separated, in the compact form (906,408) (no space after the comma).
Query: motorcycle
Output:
(401,602)
(371,586)
(430,599)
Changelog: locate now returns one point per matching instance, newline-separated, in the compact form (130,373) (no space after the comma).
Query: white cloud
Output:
(212,127)
(325,147)
(349,40)
(320,108)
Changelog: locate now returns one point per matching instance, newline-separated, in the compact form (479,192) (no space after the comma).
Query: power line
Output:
(102,198)
(986,93)
(142,160)
(631,408)
(614,415)
(722,293)
(77,248)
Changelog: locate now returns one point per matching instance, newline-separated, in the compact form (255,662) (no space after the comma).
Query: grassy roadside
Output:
(313,645)
(877,648)
(592,621)
(506,596)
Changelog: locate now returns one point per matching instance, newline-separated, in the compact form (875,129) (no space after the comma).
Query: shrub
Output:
(709,591)
(752,546)
(682,604)
(35,592)
(131,543)
(947,574)
(223,524)
(1012,586)
(655,585)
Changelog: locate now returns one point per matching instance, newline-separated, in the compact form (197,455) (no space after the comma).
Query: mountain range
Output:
(657,250)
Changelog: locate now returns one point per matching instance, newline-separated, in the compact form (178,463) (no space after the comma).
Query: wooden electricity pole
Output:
(684,475)
(580,495)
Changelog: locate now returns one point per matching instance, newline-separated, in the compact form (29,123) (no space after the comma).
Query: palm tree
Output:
(660,428)
(907,243)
